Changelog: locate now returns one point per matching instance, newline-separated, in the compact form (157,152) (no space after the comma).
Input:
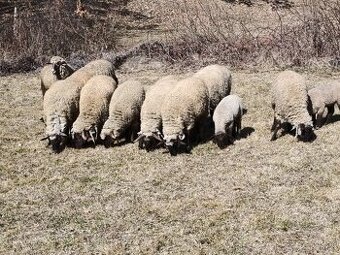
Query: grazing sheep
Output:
(184,110)
(56,70)
(61,101)
(151,121)
(218,81)
(290,104)
(60,111)
(323,99)
(124,113)
(227,119)
(94,102)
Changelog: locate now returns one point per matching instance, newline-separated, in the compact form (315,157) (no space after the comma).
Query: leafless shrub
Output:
(55,28)
(194,32)
(212,31)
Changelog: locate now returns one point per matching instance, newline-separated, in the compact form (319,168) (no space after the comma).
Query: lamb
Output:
(56,70)
(124,113)
(323,98)
(61,101)
(291,106)
(218,81)
(94,102)
(184,111)
(150,134)
(227,120)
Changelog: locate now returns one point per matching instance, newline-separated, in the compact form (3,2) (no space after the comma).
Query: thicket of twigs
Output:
(274,33)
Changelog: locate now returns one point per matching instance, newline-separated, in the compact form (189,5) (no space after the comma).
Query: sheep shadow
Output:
(333,119)
(245,132)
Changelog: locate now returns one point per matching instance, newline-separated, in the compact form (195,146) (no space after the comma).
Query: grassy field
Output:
(255,197)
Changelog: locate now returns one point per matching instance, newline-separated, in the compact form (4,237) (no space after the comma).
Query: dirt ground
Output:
(254,197)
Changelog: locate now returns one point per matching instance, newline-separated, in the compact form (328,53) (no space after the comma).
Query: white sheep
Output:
(150,134)
(227,120)
(290,104)
(218,81)
(94,103)
(61,101)
(184,112)
(124,113)
(323,99)
(56,70)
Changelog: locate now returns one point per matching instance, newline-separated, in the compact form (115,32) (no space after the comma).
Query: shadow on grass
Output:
(333,119)
(245,132)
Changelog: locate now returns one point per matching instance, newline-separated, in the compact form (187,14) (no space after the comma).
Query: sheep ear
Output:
(159,133)
(157,137)
(139,137)
(181,137)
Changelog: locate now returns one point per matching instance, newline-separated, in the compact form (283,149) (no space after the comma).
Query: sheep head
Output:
(60,68)
(150,140)
(304,132)
(111,136)
(56,133)
(65,70)
(175,143)
(87,135)
(222,139)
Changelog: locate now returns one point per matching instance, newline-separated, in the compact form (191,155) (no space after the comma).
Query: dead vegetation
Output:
(266,34)
(255,197)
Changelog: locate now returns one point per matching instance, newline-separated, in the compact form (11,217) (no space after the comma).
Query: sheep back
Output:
(94,102)
(151,109)
(218,81)
(187,102)
(290,99)
(124,110)
(103,67)
(324,95)
(230,108)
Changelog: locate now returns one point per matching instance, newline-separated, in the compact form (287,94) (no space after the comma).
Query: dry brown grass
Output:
(256,197)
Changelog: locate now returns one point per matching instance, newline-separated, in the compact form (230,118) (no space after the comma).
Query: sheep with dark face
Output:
(183,112)
(291,106)
(94,103)
(227,120)
(323,98)
(56,70)
(150,135)
(61,101)
(124,113)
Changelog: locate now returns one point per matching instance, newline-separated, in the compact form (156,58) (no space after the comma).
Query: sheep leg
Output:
(275,128)
(238,125)
(230,134)
(330,113)
(135,127)
(274,124)
(320,118)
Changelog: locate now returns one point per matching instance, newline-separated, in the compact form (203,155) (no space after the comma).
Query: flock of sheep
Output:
(88,106)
